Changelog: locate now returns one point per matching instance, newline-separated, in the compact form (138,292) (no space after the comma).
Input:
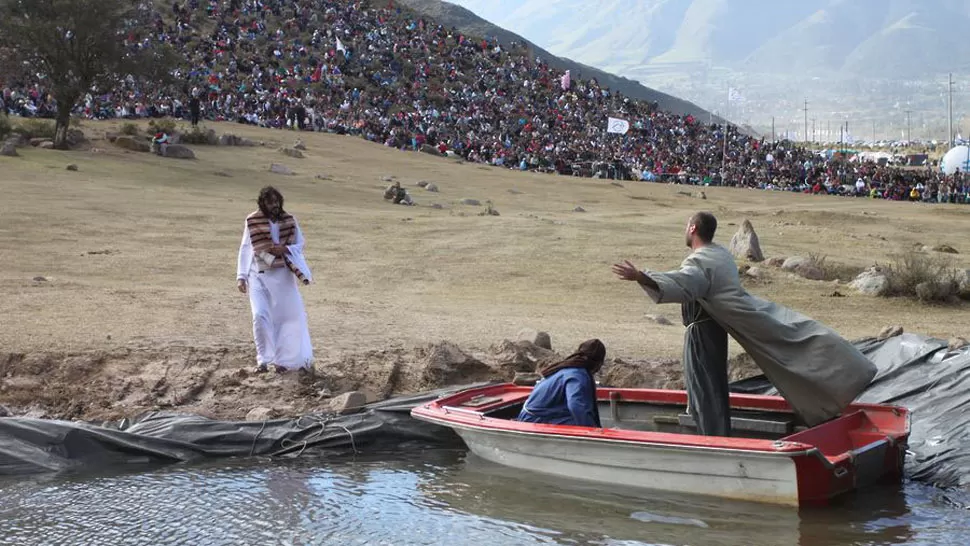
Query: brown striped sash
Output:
(262,239)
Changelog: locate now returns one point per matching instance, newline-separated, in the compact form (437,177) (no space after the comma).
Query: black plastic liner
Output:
(29,446)
(916,372)
(920,374)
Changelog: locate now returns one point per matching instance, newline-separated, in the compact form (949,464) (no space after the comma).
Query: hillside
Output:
(464,20)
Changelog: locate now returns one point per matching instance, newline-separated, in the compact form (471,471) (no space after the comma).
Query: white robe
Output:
(812,366)
(279,317)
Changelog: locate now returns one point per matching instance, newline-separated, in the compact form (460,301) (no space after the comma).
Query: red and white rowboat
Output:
(648,441)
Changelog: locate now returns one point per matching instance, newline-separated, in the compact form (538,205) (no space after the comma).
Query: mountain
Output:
(844,38)
(451,15)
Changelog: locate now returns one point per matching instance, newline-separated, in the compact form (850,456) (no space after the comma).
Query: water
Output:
(436,498)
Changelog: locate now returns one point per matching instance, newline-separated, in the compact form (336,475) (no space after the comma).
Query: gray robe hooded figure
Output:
(817,371)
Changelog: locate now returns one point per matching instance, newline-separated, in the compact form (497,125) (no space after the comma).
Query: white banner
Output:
(618,126)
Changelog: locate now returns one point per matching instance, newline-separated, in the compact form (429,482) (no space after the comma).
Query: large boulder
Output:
(280,169)
(292,152)
(133,144)
(539,338)
(745,245)
(178,151)
(963,280)
(470,202)
(75,137)
(262,413)
(8,149)
(430,150)
(347,403)
(521,356)
(446,364)
(871,282)
(299,145)
(793,263)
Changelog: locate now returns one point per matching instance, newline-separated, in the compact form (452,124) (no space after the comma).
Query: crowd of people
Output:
(380,72)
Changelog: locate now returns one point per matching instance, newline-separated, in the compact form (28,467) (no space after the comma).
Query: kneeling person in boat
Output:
(566,394)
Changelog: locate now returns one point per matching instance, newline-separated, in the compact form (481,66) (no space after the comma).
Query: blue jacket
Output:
(567,397)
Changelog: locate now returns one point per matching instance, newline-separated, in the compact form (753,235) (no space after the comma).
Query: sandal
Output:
(260,368)
(279,369)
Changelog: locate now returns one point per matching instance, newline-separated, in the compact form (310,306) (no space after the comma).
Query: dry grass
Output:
(929,278)
(832,270)
(142,249)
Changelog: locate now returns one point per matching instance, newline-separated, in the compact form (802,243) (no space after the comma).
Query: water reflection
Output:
(435,498)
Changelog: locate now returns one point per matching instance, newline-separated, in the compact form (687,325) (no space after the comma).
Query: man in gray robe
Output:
(706,371)
(817,371)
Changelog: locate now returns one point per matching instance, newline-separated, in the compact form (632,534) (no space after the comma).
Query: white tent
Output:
(957,159)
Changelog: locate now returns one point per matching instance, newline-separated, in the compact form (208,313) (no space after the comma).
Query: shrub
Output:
(164,125)
(928,278)
(130,129)
(195,135)
(5,127)
(834,270)
(35,128)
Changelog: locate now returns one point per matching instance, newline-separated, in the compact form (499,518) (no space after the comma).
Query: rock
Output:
(35,142)
(927,291)
(446,364)
(39,279)
(388,178)
(659,319)
(514,191)
(810,271)
(178,151)
(957,343)
(745,245)
(754,272)
(261,413)
(579,209)
(422,184)
(836,294)
(536,337)
(432,187)
(111,137)
(946,249)
(4,412)
(963,283)
(133,144)
(429,149)
(793,263)
(292,152)
(8,149)
(347,403)
(470,202)
(46,145)
(871,282)
(489,210)
(890,331)
(437,206)
(522,379)
(75,137)
(280,169)
(229,139)
(37,413)
(299,145)
(703,195)
(520,356)
(777,261)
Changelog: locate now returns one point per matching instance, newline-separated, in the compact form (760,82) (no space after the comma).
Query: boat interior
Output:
(669,416)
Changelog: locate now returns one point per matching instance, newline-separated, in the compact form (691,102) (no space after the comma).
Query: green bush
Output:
(35,128)
(164,125)
(195,135)
(130,129)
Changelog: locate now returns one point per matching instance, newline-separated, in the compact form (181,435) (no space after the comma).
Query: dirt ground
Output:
(117,293)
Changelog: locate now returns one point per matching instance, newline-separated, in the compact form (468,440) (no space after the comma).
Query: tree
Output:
(77,46)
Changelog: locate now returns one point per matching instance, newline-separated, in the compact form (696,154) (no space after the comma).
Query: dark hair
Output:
(705,224)
(266,193)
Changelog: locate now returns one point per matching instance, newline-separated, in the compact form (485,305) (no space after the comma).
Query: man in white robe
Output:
(817,371)
(270,268)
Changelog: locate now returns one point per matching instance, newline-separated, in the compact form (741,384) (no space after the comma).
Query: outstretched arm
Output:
(686,284)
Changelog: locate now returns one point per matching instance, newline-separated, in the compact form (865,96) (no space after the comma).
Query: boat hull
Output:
(809,466)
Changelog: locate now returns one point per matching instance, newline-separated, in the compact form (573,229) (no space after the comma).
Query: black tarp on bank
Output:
(920,374)
(914,371)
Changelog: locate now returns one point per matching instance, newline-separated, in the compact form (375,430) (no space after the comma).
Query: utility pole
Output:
(813,130)
(909,136)
(873,131)
(806,121)
(949,112)
(773,134)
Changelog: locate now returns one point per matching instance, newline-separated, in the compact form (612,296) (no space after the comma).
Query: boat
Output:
(648,440)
